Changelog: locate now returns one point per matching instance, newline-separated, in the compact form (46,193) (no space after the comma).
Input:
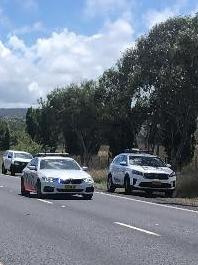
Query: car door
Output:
(123,168)
(5,155)
(34,173)
(30,176)
(115,172)
(8,160)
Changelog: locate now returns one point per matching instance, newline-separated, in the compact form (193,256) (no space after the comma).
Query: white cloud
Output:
(4,20)
(36,27)
(153,16)
(30,72)
(104,7)
(28,4)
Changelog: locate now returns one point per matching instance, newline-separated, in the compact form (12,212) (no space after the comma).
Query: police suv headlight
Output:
(88,180)
(173,174)
(135,172)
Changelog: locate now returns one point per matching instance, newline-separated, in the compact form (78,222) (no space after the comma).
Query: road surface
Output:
(106,230)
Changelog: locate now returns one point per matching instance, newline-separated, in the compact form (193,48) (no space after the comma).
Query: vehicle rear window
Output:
(23,155)
(59,164)
(146,161)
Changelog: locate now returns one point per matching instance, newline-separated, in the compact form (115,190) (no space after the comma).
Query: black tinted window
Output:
(59,164)
(146,161)
(117,160)
(23,155)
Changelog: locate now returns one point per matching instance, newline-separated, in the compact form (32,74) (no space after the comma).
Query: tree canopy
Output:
(153,84)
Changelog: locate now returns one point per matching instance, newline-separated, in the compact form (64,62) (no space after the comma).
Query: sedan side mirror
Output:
(169,165)
(123,163)
(32,167)
(85,168)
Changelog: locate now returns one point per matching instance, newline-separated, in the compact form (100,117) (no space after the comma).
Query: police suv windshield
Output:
(59,164)
(23,155)
(146,161)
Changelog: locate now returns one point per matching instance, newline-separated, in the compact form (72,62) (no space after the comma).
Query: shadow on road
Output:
(57,197)
(142,194)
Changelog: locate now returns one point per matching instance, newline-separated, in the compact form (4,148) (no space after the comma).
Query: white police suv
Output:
(53,173)
(141,171)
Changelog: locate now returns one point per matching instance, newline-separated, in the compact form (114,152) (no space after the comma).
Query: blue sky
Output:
(46,43)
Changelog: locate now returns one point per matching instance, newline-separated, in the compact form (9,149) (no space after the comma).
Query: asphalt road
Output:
(106,230)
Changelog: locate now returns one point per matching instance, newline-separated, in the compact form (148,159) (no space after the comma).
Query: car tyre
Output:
(12,171)
(170,193)
(4,171)
(87,196)
(24,192)
(38,190)
(149,193)
(110,185)
(127,185)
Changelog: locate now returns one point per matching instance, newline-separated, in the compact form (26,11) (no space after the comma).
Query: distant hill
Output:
(19,113)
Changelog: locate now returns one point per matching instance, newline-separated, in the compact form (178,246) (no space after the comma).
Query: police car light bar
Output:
(51,154)
(137,151)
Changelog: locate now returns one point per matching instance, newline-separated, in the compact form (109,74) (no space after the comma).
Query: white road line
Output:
(146,202)
(137,229)
(44,201)
(63,206)
(1,187)
(8,176)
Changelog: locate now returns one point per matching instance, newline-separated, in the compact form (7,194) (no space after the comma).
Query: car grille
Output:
(24,164)
(156,176)
(71,181)
(70,190)
(151,185)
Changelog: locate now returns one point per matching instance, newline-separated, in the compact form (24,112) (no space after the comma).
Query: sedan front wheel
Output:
(38,190)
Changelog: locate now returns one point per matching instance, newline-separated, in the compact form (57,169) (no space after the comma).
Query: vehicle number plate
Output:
(156,183)
(70,187)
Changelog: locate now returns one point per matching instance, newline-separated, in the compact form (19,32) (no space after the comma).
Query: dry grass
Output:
(187,183)
(99,177)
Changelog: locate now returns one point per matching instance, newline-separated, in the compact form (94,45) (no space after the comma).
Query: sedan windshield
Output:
(59,164)
(146,161)
(23,155)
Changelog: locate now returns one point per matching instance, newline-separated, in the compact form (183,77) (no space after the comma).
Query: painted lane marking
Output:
(8,176)
(137,229)
(63,206)
(44,201)
(1,187)
(146,202)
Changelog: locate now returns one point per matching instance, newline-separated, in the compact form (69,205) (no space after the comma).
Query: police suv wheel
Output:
(110,186)
(87,196)
(127,185)
(170,193)
(12,171)
(4,171)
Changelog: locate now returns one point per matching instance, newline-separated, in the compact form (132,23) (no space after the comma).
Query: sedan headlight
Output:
(88,180)
(50,179)
(135,172)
